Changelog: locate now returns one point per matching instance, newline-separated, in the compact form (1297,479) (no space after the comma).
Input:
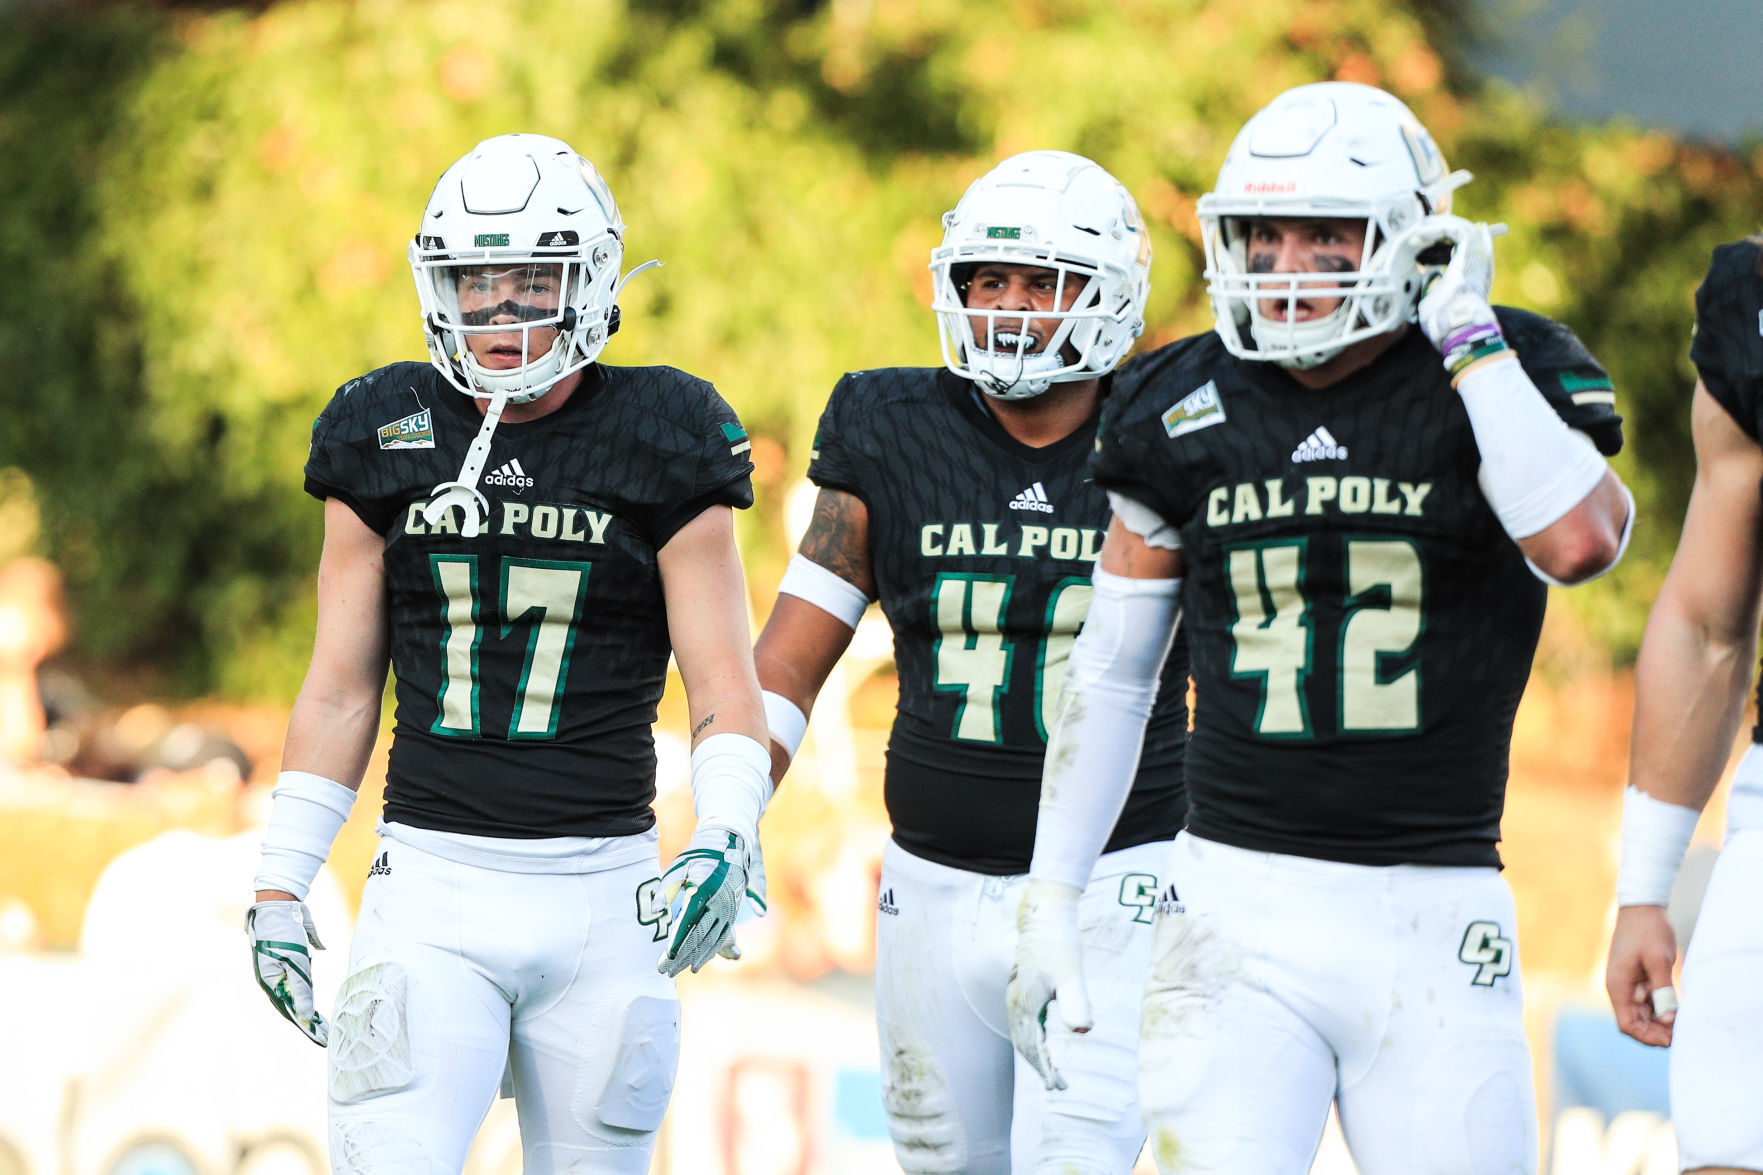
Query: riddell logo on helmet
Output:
(1271,186)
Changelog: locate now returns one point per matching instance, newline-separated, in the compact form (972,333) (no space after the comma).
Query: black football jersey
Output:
(529,660)
(1728,345)
(982,549)
(1360,625)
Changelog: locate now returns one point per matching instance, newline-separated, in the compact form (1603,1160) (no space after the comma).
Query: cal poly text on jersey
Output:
(1271,497)
(1004,538)
(570,524)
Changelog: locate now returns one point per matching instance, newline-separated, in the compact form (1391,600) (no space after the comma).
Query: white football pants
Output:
(1279,984)
(1717,1039)
(958,1098)
(459,973)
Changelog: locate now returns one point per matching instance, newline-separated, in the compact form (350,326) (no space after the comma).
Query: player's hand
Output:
(1049,966)
(753,907)
(1638,976)
(1454,310)
(280,933)
(704,887)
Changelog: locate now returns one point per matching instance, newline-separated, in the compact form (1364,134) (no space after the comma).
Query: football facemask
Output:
(517,272)
(1059,212)
(1322,151)
(530,213)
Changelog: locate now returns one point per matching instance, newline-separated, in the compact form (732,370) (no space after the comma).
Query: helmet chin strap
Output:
(464,492)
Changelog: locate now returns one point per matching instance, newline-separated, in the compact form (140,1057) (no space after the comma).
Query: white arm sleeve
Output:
(1534,468)
(1621,548)
(1144,522)
(1093,754)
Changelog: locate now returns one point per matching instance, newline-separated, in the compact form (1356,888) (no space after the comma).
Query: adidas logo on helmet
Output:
(510,475)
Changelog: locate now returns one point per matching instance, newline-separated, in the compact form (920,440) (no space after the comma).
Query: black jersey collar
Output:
(462,406)
(969,402)
(1410,360)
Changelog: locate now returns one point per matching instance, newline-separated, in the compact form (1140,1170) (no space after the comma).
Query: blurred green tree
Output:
(207,210)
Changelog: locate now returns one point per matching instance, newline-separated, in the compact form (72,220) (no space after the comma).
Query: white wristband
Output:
(785,720)
(1111,680)
(306,812)
(808,580)
(1654,837)
(731,783)
(1534,468)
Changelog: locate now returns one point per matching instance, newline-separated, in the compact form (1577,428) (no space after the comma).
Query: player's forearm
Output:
(816,613)
(797,650)
(332,729)
(1111,684)
(1690,688)
(725,700)
(330,737)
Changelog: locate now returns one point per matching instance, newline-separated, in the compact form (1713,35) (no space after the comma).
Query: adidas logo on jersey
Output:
(1033,498)
(382,866)
(510,475)
(886,902)
(1168,903)
(1320,446)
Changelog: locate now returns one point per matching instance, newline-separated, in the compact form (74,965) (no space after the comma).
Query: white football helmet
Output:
(1330,149)
(525,207)
(1058,211)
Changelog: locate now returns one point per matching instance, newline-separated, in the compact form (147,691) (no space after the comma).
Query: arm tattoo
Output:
(838,539)
(699,729)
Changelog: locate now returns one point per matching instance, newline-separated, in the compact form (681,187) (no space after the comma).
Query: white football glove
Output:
(280,933)
(1049,966)
(753,908)
(1454,310)
(704,889)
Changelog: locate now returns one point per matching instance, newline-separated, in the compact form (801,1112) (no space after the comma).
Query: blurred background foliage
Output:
(205,210)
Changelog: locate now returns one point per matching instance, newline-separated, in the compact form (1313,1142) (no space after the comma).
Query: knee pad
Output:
(1475,1110)
(369,1147)
(922,1120)
(635,1094)
(370,1035)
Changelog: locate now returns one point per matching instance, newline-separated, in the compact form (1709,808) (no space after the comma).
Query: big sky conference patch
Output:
(416,431)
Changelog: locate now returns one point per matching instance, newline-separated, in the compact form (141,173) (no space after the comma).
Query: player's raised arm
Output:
(330,736)
(1551,488)
(1695,663)
(822,596)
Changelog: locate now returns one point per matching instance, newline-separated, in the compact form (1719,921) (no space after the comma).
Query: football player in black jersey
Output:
(959,498)
(1690,683)
(1364,533)
(510,924)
